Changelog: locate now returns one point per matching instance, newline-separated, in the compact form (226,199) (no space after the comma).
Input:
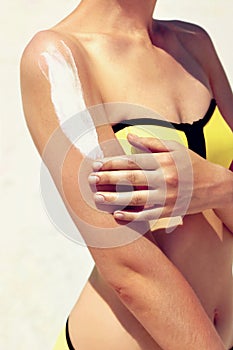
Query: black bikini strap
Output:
(158,122)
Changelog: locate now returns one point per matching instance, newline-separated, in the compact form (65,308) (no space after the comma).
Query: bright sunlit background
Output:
(42,272)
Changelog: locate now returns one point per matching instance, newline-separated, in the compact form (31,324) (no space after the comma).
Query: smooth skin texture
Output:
(157,292)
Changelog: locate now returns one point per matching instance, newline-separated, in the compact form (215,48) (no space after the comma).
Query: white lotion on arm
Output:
(68,101)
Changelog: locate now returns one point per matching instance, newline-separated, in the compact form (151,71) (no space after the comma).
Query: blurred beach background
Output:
(42,272)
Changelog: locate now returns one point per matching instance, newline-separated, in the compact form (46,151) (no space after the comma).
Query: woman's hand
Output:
(168,179)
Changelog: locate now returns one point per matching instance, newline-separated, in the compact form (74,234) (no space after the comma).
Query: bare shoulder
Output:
(197,41)
(63,47)
(188,27)
(194,37)
(47,41)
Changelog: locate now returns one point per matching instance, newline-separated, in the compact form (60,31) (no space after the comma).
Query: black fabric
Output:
(194,132)
(196,139)
(70,346)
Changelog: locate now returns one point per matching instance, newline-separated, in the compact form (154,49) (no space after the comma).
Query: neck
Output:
(117,16)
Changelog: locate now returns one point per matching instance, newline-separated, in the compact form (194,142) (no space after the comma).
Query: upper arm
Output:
(70,168)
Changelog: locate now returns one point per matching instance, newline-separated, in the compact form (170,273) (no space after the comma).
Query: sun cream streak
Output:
(67,98)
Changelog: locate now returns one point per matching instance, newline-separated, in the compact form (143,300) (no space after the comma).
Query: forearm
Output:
(163,302)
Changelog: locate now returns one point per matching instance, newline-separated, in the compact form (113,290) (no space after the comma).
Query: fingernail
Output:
(118,215)
(93,179)
(99,198)
(97,165)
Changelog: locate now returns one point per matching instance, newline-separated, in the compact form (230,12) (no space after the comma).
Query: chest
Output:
(173,86)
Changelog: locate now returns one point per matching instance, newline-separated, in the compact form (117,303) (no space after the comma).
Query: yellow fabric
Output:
(162,133)
(219,140)
(61,343)
(217,133)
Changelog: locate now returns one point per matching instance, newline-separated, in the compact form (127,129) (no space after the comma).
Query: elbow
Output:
(124,287)
(129,270)
(126,284)
(124,293)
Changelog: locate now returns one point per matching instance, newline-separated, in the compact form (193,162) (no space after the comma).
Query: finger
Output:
(135,198)
(145,215)
(132,162)
(151,144)
(127,177)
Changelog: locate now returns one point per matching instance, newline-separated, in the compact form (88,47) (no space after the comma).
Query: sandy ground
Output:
(42,272)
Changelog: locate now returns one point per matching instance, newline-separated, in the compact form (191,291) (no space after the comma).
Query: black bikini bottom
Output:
(70,346)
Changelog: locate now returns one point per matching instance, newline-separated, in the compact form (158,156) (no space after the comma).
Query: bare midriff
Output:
(202,251)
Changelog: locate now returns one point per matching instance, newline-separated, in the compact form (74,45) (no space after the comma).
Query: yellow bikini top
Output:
(210,137)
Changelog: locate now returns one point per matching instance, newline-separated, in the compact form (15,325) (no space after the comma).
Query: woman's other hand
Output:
(167,178)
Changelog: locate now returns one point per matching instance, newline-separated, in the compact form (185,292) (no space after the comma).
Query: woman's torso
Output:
(173,83)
